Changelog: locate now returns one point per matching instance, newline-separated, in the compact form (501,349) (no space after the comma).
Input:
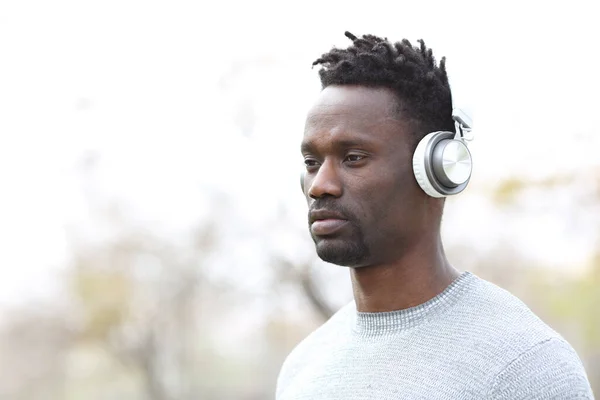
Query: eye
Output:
(354,157)
(309,162)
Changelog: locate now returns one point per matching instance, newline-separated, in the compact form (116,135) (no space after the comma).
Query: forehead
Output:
(356,112)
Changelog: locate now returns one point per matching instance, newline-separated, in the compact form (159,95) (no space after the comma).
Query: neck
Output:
(416,277)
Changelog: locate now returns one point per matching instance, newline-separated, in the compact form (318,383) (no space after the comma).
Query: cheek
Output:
(399,200)
(397,184)
(384,198)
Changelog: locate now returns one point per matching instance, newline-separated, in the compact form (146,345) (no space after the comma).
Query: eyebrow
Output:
(342,143)
(306,147)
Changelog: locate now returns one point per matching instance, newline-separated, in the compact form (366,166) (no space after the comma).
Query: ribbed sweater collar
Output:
(372,324)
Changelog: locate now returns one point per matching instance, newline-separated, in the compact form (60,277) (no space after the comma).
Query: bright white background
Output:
(159,92)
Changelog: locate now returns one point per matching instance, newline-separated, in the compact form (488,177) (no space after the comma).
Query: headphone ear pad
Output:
(302,176)
(420,166)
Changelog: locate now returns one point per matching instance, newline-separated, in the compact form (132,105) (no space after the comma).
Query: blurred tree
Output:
(301,275)
(132,314)
(153,305)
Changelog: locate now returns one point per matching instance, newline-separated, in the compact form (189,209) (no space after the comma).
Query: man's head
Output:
(378,100)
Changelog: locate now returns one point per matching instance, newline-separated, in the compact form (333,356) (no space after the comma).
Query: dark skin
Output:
(366,211)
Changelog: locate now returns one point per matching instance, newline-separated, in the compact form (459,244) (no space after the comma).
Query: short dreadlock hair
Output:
(409,71)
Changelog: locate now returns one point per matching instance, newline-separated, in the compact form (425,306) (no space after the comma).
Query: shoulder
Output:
(332,331)
(503,319)
(531,360)
(548,370)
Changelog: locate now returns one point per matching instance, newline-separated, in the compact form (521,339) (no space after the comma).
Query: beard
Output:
(348,248)
(342,251)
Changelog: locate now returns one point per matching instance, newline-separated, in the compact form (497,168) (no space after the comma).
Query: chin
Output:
(345,254)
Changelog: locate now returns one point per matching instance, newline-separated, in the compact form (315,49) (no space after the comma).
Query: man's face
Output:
(365,206)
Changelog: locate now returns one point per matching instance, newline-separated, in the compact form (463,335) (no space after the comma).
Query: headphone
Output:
(442,163)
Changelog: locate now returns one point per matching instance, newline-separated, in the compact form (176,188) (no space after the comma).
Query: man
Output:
(418,328)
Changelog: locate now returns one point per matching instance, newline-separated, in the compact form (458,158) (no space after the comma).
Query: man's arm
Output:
(549,370)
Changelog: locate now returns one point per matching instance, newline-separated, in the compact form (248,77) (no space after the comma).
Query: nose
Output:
(326,182)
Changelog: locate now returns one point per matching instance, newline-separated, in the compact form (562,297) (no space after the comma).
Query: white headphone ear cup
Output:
(302,176)
(420,169)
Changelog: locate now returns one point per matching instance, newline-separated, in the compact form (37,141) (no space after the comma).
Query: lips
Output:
(323,222)
(323,227)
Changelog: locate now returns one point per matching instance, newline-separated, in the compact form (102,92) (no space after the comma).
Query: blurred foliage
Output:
(507,191)
(575,303)
(105,298)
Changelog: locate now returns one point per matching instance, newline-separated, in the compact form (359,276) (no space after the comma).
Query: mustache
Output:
(332,206)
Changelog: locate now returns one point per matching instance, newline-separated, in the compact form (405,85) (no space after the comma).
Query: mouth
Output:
(329,226)
(323,222)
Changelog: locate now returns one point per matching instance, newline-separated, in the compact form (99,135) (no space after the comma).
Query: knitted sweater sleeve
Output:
(549,370)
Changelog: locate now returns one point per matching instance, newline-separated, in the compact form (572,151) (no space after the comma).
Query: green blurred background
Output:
(153,238)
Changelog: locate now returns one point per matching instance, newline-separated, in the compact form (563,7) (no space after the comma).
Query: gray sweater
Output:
(472,341)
